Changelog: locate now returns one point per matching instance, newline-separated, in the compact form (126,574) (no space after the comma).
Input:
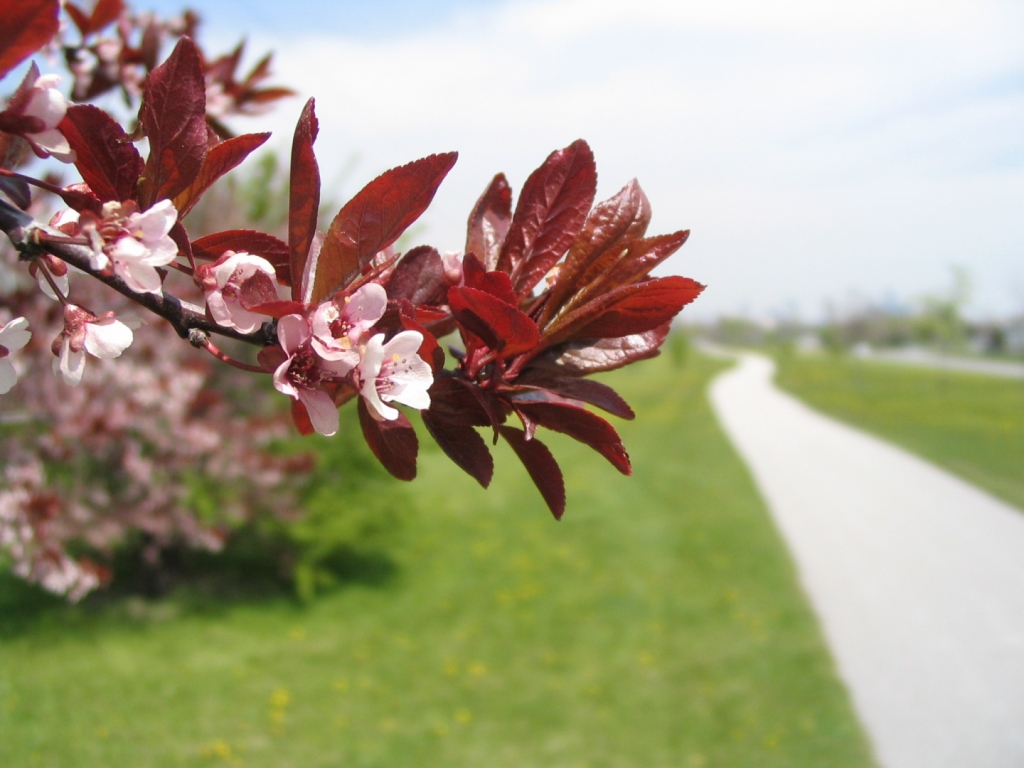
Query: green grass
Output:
(658,625)
(969,423)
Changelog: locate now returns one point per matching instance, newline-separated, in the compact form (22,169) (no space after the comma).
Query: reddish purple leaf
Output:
(173,115)
(212,247)
(536,388)
(394,443)
(609,228)
(304,199)
(581,358)
(270,358)
(20,124)
(462,445)
(551,210)
(278,308)
(625,311)
(301,418)
(501,326)
(16,188)
(636,263)
(27,26)
(489,222)
(452,403)
(580,424)
(374,219)
(220,159)
(541,466)
(106,158)
(257,290)
(498,284)
(419,277)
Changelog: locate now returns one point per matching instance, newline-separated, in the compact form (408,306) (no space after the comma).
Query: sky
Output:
(822,153)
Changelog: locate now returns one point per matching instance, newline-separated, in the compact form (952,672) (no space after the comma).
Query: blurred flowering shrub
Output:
(543,293)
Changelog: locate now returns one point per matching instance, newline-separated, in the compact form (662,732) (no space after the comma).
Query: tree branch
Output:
(29,237)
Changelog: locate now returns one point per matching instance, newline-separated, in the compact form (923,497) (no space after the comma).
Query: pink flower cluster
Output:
(335,345)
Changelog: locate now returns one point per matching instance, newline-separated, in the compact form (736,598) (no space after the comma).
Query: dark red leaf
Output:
(452,403)
(643,256)
(212,247)
(303,199)
(419,277)
(220,159)
(489,222)
(462,445)
(78,16)
(586,390)
(628,310)
(257,290)
(580,358)
(270,358)
(106,158)
(394,443)
(501,326)
(580,424)
(173,115)
(301,418)
(498,284)
(609,228)
(277,308)
(180,238)
(16,188)
(20,124)
(105,12)
(551,210)
(374,219)
(27,26)
(541,466)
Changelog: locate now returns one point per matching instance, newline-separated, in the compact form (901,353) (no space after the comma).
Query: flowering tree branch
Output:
(31,239)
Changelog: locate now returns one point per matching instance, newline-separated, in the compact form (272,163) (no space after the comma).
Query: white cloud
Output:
(813,147)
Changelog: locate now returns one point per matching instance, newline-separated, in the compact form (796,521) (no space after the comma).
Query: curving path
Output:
(917,576)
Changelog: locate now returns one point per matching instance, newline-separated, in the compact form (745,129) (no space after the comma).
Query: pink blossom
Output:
(301,375)
(14,335)
(147,246)
(102,337)
(339,325)
(222,283)
(394,372)
(47,103)
(452,261)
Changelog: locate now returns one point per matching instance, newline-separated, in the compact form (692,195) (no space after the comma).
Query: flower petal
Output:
(139,277)
(292,331)
(107,338)
(15,334)
(8,376)
(71,364)
(323,413)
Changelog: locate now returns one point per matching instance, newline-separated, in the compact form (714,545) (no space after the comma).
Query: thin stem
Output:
(210,347)
(53,283)
(181,268)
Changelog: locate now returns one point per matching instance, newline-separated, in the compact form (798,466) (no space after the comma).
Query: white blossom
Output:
(301,374)
(222,281)
(394,372)
(339,325)
(146,247)
(48,104)
(104,337)
(14,335)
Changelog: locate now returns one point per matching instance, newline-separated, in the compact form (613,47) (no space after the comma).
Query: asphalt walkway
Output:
(917,576)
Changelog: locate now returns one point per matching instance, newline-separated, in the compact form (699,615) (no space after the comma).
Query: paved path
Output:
(917,577)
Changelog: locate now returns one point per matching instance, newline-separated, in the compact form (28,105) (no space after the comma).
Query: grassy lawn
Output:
(658,625)
(968,423)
